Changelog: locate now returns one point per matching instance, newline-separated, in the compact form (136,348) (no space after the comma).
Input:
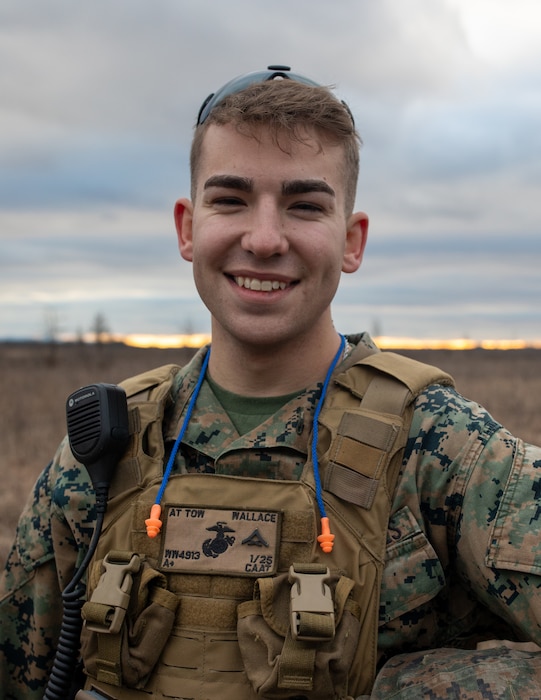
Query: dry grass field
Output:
(35,381)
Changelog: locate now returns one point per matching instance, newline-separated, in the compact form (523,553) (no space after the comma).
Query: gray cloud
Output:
(97,103)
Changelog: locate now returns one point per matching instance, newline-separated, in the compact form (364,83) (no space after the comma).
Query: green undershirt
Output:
(247,412)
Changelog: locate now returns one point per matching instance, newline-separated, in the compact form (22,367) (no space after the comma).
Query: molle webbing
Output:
(365,426)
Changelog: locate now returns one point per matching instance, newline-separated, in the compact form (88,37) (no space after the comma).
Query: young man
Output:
(428,551)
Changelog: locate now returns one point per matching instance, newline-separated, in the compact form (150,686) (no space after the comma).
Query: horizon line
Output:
(197,340)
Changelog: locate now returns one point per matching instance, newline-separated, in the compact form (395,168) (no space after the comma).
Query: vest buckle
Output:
(106,609)
(311,603)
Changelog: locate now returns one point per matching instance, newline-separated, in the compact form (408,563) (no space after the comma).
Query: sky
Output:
(97,106)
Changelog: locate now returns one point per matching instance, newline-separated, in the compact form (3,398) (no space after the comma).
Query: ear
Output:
(356,237)
(183,223)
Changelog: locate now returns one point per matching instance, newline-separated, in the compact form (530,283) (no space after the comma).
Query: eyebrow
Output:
(290,187)
(293,187)
(230,182)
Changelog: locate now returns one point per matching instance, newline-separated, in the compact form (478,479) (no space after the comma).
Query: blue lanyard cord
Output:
(315,428)
(154,523)
(191,405)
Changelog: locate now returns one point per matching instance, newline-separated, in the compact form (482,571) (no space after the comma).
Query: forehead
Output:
(261,154)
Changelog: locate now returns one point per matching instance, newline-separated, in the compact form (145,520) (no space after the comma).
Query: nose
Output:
(266,234)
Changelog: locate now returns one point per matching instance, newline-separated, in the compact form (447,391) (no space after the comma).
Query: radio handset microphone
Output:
(97,421)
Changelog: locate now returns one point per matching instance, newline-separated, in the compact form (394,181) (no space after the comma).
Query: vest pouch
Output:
(299,635)
(128,620)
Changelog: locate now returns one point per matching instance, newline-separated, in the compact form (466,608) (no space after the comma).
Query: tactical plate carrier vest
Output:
(283,621)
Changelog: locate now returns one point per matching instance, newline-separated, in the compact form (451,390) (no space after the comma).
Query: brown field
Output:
(35,381)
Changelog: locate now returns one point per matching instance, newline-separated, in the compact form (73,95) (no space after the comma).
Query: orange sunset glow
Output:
(197,340)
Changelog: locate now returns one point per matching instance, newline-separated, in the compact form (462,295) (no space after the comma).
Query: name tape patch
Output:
(220,540)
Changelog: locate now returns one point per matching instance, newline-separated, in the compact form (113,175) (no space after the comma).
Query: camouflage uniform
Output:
(463,553)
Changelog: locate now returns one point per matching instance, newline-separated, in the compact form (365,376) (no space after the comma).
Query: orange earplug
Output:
(154,524)
(326,539)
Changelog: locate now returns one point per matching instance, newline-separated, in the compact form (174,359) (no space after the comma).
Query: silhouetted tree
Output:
(100,328)
(51,326)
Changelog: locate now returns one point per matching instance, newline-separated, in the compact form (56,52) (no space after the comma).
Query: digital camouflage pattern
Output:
(463,554)
(454,674)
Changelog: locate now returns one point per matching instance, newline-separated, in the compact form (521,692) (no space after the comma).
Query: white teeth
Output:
(259,285)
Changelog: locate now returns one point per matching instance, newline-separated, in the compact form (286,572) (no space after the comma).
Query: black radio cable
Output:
(97,420)
(73,598)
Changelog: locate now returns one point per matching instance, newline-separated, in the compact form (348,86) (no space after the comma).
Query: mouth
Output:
(258,285)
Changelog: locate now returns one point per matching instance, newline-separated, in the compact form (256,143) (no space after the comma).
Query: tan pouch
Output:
(299,634)
(127,656)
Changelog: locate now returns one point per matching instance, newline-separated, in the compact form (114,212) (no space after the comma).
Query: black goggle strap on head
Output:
(243,81)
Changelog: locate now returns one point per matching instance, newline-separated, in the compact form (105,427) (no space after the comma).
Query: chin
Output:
(261,337)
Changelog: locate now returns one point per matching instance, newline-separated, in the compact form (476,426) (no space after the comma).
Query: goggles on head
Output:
(243,81)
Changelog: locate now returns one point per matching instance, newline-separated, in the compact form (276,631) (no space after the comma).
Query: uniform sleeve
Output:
(499,534)
(52,533)
(479,496)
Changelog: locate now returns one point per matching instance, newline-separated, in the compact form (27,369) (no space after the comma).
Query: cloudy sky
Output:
(97,104)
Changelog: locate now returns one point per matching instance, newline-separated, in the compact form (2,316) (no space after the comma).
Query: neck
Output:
(271,371)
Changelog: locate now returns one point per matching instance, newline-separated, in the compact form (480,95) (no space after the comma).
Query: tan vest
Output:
(234,599)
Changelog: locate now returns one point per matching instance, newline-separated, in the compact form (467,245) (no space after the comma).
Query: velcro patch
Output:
(199,540)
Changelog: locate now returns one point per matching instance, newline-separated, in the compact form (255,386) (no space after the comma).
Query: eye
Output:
(308,207)
(227,201)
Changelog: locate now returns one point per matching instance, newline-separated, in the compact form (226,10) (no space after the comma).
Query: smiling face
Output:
(268,237)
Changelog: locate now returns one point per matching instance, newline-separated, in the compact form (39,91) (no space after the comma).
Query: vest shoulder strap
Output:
(367,417)
(161,377)
(386,380)
(148,394)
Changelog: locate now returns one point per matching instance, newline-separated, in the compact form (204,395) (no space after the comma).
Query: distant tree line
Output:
(99,328)
(99,331)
